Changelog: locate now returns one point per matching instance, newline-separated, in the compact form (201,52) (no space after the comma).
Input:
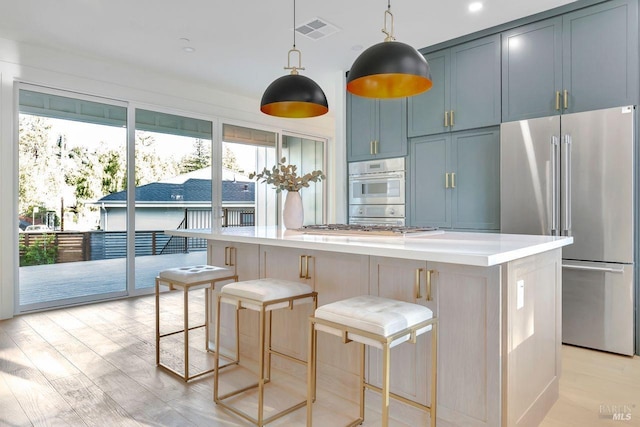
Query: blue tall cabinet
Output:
(580,61)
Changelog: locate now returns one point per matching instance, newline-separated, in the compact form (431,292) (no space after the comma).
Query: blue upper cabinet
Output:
(465,92)
(376,128)
(426,111)
(600,56)
(532,70)
(584,60)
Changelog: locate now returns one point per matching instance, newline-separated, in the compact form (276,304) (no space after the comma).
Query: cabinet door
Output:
(404,280)
(289,326)
(240,257)
(361,127)
(426,111)
(429,199)
(531,70)
(392,128)
(469,343)
(600,49)
(475,83)
(476,192)
(243,258)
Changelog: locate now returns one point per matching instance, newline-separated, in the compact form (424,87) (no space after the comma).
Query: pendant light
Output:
(293,95)
(389,69)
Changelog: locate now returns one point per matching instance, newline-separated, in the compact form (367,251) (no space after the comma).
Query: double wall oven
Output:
(377,192)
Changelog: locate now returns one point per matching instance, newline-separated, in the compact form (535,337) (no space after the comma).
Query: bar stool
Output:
(381,323)
(188,279)
(264,296)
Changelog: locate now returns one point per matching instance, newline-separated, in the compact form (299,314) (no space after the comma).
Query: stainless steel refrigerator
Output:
(573,175)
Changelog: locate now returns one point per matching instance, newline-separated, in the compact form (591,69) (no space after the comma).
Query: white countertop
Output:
(480,249)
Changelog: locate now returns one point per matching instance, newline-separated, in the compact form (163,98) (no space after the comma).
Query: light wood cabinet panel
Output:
(469,339)
(334,276)
(244,259)
(404,280)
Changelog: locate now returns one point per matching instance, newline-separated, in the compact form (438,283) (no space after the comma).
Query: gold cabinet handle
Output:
(371,147)
(306,268)
(452,122)
(418,274)
(300,274)
(566,99)
(453,180)
(558,100)
(376,146)
(429,296)
(446,180)
(227,255)
(446,119)
(304,273)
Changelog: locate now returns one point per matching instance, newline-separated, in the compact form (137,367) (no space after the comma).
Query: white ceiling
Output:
(241,45)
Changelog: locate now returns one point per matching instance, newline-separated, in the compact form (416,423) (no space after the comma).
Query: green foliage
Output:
(41,249)
(285,177)
(229,160)
(199,159)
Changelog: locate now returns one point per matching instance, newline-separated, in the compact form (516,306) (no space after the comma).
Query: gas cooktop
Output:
(369,230)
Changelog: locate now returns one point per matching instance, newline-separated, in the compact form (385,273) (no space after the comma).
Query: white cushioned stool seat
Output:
(263,290)
(378,315)
(195,273)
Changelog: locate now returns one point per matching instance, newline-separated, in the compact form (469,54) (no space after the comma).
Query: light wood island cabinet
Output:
(497,297)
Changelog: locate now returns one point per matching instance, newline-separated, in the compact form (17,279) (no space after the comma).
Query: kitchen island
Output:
(498,298)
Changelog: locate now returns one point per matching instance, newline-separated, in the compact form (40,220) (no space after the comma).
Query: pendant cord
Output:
(388,4)
(294,24)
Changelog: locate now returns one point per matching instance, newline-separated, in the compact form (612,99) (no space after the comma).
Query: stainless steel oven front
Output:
(377,182)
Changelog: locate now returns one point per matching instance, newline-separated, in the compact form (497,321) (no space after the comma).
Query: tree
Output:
(229,160)
(38,165)
(199,159)
(151,167)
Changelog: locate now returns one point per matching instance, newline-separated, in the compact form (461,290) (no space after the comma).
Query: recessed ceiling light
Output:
(475,6)
(188,49)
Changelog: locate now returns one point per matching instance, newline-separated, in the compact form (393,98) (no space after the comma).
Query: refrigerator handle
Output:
(566,229)
(589,268)
(554,185)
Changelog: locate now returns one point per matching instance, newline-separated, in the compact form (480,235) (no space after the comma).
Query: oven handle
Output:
(377,177)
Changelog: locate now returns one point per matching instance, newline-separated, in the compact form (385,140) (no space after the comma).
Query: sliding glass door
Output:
(172,191)
(72,152)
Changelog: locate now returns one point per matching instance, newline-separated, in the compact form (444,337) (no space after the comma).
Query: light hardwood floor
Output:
(94,365)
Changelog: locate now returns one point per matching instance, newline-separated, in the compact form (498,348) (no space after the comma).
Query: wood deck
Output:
(68,281)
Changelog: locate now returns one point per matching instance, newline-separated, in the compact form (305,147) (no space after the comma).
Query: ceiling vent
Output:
(316,29)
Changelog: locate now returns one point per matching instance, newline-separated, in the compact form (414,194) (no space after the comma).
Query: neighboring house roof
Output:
(187,189)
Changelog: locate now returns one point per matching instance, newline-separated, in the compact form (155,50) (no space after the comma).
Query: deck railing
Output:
(67,246)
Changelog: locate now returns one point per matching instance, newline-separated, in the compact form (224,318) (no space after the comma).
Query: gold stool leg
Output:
(186,332)
(261,361)
(311,372)
(157,322)
(362,382)
(385,384)
(216,354)
(268,363)
(434,373)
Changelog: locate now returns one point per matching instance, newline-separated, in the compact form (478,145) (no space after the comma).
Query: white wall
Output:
(141,88)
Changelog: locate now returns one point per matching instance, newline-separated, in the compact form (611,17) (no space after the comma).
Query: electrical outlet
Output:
(519,294)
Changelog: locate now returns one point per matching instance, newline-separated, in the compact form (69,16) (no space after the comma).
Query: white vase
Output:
(293,213)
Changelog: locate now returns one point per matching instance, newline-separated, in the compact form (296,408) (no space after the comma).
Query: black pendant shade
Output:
(389,69)
(294,96)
